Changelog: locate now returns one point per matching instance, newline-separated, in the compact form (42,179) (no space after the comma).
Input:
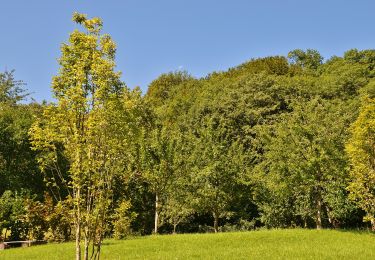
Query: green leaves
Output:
(11,90)
(304,156)
(309,59)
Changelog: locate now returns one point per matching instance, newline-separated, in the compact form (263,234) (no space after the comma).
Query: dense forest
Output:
(276,142)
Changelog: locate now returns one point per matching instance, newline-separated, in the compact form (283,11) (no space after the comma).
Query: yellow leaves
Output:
(363,133)
(93,25)
(108,46)
(87,67)
(79,18)
(360,150)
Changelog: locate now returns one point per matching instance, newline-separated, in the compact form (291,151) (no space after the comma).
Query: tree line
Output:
(275,142)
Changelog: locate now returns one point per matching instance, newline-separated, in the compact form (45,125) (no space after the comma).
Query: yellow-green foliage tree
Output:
(361,151)
(83,122)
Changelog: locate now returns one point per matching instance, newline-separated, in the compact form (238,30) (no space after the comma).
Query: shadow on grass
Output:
(361,231)
(113,241)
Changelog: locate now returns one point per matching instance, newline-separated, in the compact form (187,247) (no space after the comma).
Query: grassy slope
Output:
(275,244)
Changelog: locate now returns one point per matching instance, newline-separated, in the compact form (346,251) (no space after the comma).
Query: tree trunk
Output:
(329,216)
(174,228)
(78,241)
(97,253)
(87,244)
(318,214)
(78,228)
(373,225)
(333,221)
(156,214)
(216,222)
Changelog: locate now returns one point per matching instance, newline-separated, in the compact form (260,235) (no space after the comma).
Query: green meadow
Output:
(263,244)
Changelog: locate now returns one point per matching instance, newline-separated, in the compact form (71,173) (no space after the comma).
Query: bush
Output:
(122,219)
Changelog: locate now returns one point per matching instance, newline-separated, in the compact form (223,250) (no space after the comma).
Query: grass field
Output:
(264,244)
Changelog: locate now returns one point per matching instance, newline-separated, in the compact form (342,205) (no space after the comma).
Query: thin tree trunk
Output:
(373,225)
(329,216)
(87,244)
(88,224)
(318,214)
(333,221)
(96,255)
(216,222)
(93,250)
(156,213)
(174,228)
(78,227)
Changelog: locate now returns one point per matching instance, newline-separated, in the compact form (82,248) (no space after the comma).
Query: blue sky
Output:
(200,36)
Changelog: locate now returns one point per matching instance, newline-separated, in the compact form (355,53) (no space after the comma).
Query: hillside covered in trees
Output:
(275,142)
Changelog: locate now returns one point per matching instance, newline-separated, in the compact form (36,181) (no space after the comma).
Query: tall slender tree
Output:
(82,122)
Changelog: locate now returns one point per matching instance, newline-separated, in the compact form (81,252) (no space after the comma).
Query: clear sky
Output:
(200,36)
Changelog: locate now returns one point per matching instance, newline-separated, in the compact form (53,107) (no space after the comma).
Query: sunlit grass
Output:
(264,244)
